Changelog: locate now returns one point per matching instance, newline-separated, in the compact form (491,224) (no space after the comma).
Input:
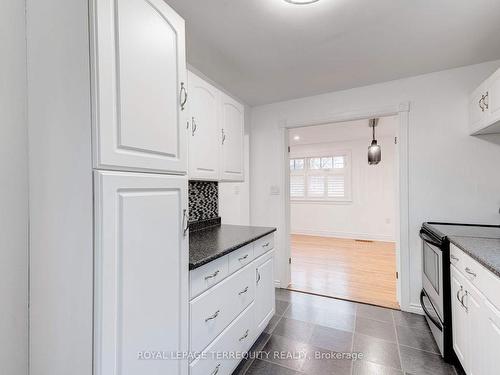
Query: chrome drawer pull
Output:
(244,336)
(468,270)
(212,275)
(258,276)
(266,244)
(243,291)
(454,257)
(216,371)
(243,258)
(216,314)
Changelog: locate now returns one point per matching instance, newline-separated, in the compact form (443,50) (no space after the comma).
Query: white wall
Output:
(452,176)
(371,212)
(61,199)
(13,190)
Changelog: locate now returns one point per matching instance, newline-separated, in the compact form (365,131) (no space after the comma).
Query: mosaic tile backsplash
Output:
(203,200)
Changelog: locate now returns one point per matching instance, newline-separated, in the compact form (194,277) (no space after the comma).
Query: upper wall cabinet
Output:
(484,106)
(216,133)
(204,134)
(232,128)
(140,93)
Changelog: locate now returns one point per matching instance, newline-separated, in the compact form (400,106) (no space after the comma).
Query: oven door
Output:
(432,273)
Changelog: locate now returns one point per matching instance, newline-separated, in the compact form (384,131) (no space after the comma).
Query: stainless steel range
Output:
(435,297)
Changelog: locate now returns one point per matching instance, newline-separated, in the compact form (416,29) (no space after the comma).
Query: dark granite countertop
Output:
(206,245)
(486,251)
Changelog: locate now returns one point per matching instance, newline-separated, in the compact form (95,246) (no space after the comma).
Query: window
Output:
(322,178)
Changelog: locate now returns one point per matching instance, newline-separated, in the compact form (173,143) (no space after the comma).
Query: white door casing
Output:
(141,273)
(139,86)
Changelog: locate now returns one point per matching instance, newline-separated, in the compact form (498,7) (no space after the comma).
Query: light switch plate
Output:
(275,190)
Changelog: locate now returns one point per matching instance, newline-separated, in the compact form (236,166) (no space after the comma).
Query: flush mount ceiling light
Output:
(374,151)
(296,138)
(301,2)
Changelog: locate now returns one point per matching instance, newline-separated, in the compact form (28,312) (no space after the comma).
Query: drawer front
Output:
(212,311)
(236,338)
(484,280)
(263,245)
(240,258)
(207,276)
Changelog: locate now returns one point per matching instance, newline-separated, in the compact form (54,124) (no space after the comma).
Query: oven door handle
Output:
(433,319)
(426,238)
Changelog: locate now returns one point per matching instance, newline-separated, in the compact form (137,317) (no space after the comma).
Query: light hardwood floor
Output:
(344,268)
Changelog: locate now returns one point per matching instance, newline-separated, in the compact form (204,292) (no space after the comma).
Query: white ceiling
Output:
(343,131)
(265,51)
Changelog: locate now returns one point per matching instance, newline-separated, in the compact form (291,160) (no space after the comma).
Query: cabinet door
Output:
(459,316)
(232,123)
(490,345)
(477,109)
(141,273)
(264,292)
(475,323)
(493,99)
(204,136)
(139,73)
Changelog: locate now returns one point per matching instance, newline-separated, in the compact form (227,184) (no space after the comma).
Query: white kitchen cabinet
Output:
(232,131)
(484,106)
(475,327)
(230,314)
(458,315)
(490,340)
(264,290)
(204,132)
(141,279)
(140,86)
(475,317)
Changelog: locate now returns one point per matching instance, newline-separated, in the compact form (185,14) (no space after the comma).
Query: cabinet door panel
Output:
(264,292)
(232,120)
(139,68)
(490,345)
(204,136)
(475,324)
(141,273)
(459,317)
(494,97)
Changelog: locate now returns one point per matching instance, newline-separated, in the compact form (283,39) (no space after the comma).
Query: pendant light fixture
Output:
(374,151)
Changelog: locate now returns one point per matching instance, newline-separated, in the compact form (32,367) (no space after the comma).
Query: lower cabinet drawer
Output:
(212,311)
(263,245)
(207,276)
(478,275)
(224,354)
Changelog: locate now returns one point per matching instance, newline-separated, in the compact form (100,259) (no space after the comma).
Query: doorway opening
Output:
(343,211)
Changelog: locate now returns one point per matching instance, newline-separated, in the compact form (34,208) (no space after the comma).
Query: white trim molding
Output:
(402,231)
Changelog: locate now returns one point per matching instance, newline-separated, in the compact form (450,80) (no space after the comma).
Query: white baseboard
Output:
(414,308)
(347,235)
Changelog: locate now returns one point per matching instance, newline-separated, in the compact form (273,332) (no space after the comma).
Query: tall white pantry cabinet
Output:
(107,93)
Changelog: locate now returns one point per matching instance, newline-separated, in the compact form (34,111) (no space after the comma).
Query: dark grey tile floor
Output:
(307,330)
